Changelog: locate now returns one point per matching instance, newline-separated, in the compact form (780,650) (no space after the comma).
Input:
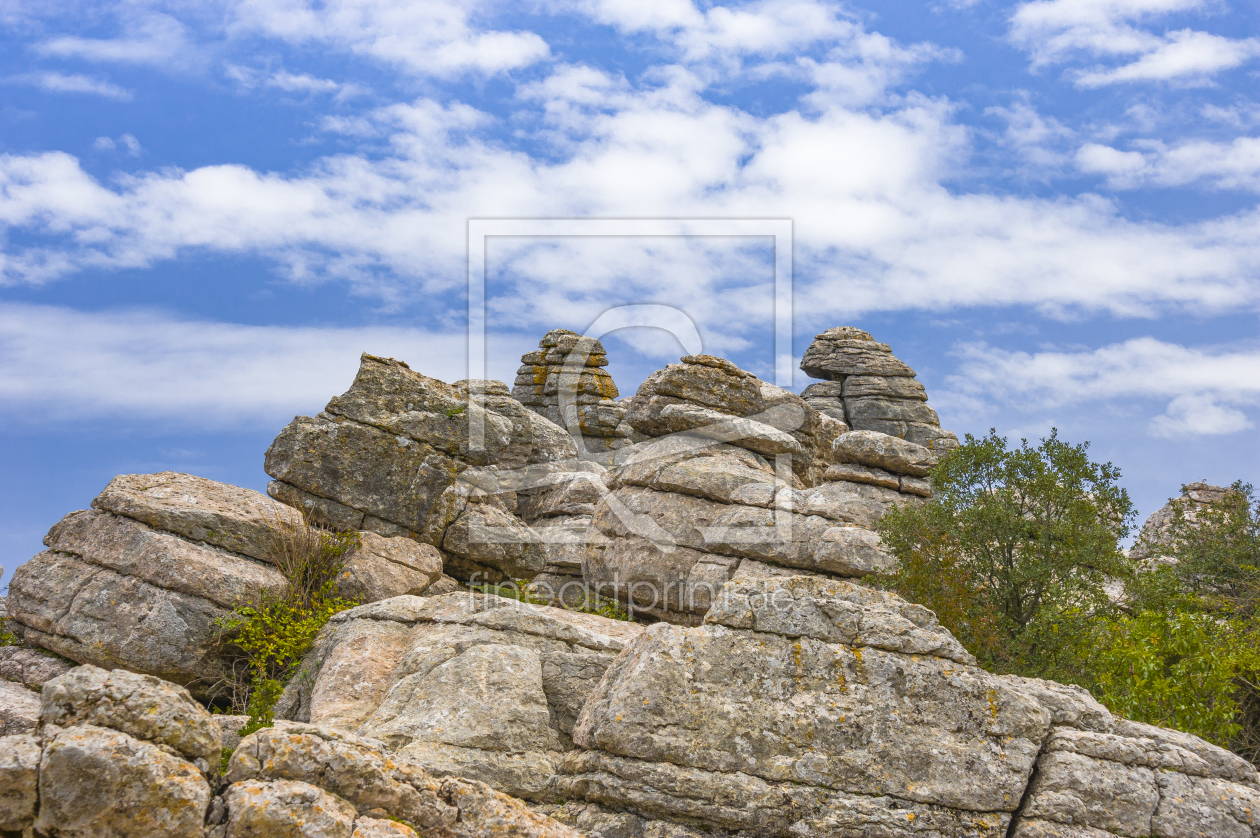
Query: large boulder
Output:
(871,389)
(387,454)
(687,514)
(280,777)
(130,756)
(470,685)
(808,706)
(145,578)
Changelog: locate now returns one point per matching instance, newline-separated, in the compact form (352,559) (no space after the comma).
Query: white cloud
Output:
(1232,165)
(108,144)
(1211,383)
(879,232)
(152,38)
(72,83)
(1056,31)
(436,37)
(1185,55)
(57,363)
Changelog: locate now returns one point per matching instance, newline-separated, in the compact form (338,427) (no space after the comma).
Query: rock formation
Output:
(740,478)
(119,754)
(139,580)
(775,697)
(564,381)
(871,389)
(471,685)
(1156,536)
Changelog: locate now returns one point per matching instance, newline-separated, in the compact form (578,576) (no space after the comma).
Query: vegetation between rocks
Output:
(522,590)
(1019,555)
(267,641)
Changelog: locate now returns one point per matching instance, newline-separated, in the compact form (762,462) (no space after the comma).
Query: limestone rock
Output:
(360,774)
(1155,537)
(386,567)
(871,390)
(835,611)
(19,708)
(720,703)
(563,382)
(841,352)
(378,828)
(19,782)
(95,615)
(873,449)
(490,537)
(286,809)
(468,685)
(30,667)
(139,705)
(236,519)
(95,781)
(230,727)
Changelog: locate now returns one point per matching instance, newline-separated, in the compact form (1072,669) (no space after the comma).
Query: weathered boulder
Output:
(469,685)
(563,381)
(30,667)
(19,782)
(870,389)
(142,580)
(810,706)
(277,771)
(386,455)
(141,706)
(97,781)
(286,809)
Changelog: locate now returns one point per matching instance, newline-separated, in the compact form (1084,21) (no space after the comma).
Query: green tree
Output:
(1187,654)
(1015,551)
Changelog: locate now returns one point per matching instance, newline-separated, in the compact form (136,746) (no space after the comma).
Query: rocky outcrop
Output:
(402,454)
(740,479)
(1155,537)
(141,580)
(131,756)
(807,706)
(870,389)
(564,381)
(469,684)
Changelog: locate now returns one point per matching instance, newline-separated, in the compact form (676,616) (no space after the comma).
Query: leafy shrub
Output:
(1176,669)
(266,641)
(7,637)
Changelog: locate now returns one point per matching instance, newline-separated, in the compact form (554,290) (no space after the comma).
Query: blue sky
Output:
(207,211)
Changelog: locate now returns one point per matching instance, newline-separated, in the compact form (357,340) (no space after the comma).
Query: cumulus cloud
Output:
(57,363)
(437,37)
(877,233)
(1057,31)
(1213,383)
(72,83)
(1221,165)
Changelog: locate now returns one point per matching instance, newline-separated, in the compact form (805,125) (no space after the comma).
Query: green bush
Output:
(1175,669)
(8,638)
(266,641)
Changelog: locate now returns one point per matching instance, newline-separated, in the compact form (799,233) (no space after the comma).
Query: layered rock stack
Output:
(870,389)
(740,479)
(566,373)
